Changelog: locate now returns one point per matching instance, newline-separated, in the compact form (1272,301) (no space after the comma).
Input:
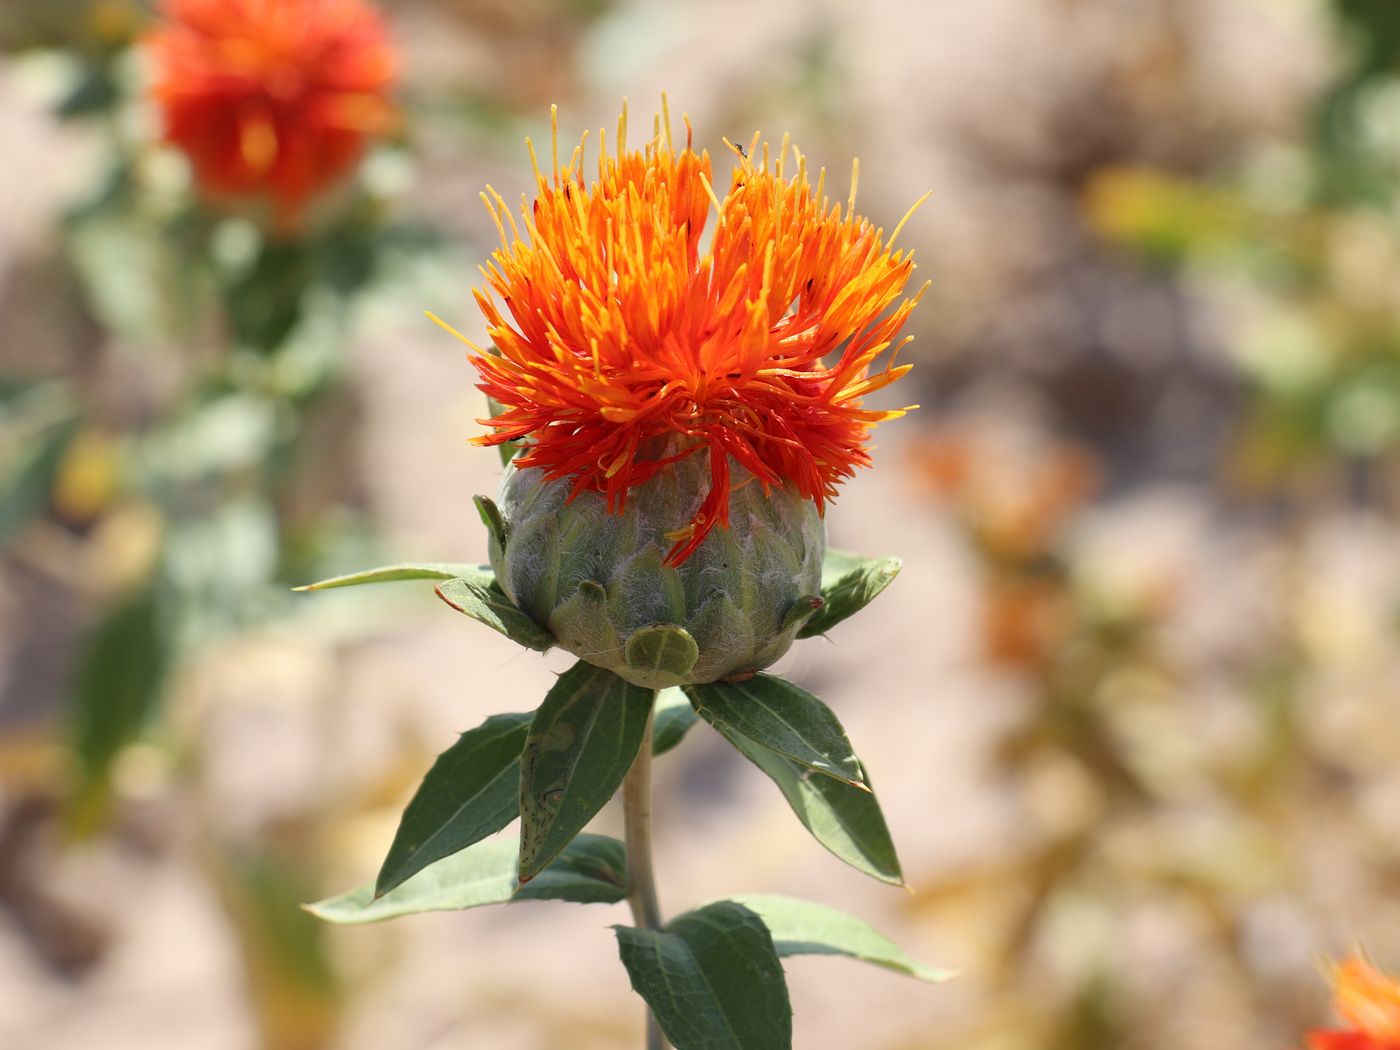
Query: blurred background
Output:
(1132,704)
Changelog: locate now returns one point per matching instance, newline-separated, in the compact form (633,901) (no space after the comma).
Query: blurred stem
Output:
(641,878)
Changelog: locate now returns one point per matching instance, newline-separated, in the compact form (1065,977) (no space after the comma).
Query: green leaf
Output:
(266,302)
(850,582)
(496,611)
(673,719)
(591,870)
(776,715)
(124,272)
(284,945)
(472,790)
(480,574)
(712,978)
(94,93)
(120,678)
(845,819)
(581,744)
(24,492)
(208,440)
(806,928)
(662,651)
(345,258)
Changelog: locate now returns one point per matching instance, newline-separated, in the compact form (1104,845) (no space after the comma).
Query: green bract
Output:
(596,581)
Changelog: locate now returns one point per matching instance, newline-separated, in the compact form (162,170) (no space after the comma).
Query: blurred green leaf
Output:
(673,719)
(471,791)
(122,267)
(1362,414)
(94,92)
(850,582)
(117,688)
(236,432)
(778,716)
(495,610)
(803,927)
(1375,40)
(480,574)
(712,978)
(25,490)
(845,819)
(581,744)
(346,257)
(18,389)
(287,944)
(294,994)
(221,565)
(591,870)
(266,302)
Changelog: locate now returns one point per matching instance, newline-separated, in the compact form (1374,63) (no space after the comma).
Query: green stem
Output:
(641,878)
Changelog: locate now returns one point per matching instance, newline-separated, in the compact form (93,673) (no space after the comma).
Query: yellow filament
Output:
(710,190)
(907,215)
(554,138)
(452,331)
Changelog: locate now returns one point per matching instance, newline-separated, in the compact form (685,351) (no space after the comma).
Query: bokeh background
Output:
(1132,705)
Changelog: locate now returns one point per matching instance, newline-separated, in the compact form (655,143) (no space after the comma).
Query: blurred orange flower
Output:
(272,98)
(1014,492)
(625,346)
(1369,1001)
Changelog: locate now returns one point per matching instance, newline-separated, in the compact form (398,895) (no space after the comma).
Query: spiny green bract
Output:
(597,581)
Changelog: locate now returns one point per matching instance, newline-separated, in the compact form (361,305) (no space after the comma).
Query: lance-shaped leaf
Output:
(480,574)
(496,611)
(712,978)
(850,582)
(770,713)
(591,870)
(845,819)
(472,790)
(580,746)
(673,719)
(806,928)
(117,690)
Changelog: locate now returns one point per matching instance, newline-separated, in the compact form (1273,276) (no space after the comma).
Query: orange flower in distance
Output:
(1369,1001)
(624,345)
(271,98)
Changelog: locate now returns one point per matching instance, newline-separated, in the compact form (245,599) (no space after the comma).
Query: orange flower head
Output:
(271,98)
(624,343)
(1369,1001)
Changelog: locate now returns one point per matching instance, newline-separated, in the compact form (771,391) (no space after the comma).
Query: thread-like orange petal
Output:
(1369,1001)
(614,331)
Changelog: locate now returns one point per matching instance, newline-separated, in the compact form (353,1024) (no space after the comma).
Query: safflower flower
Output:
(1369,1002)
(684,410)
(271,99)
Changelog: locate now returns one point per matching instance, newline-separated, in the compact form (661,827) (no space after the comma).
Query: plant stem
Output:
(641,878)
